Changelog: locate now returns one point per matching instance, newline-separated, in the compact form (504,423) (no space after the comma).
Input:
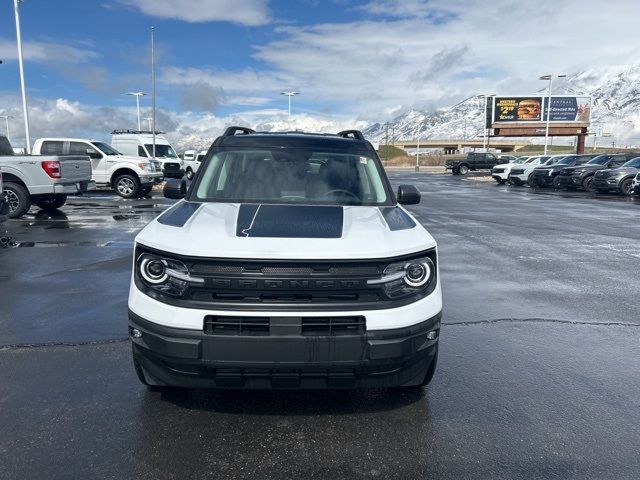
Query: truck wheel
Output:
(49,203)
(626,187)
(455,171)
(531,181)
(463,170)
(556,183)
(189,174)
(127,186)
(18,199)
(587,184)
(146,190)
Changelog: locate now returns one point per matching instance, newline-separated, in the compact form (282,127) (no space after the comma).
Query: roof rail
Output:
(136,132)
(356,134)
(231,131)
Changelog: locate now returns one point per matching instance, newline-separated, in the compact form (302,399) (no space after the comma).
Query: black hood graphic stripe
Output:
(289,221)
(178,215)
(396,218)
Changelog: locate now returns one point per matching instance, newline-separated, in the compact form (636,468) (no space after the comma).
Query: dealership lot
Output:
(538,373)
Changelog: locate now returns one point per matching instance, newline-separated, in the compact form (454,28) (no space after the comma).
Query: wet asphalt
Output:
(538,375)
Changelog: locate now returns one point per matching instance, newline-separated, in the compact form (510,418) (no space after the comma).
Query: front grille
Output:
(270,285)
(215,325)
(498,170)
(517,171)
(602,174)
(171,166)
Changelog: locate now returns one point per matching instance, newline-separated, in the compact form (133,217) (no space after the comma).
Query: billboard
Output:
(527,109)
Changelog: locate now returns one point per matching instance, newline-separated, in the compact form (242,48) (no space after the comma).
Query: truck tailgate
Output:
(74,168)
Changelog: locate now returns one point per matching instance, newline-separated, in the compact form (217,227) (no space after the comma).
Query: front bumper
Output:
(151,179)
(172,173)
(500,176)
(4,209)
(636,187)
(284,358)
(570,181)
(518,179)
(543,180)
(604,184)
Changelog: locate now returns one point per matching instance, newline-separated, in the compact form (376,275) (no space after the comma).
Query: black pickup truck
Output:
(473,161)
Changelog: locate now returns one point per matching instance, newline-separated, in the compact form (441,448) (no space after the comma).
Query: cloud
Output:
(201,96)
(243,12)
(46,52)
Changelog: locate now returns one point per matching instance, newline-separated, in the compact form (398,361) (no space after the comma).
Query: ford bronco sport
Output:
(287,263)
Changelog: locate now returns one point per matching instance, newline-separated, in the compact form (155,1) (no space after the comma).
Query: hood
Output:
(130,158)
(622,170)
(292,232)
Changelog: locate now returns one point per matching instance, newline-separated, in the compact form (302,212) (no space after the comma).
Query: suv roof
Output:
(246,137)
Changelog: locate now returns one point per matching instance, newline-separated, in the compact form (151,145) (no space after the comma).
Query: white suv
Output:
(289,263)
(129,176)
(500,172)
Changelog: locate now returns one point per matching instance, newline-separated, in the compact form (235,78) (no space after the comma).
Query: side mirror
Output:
(175,189)
(408,195)
(93,153)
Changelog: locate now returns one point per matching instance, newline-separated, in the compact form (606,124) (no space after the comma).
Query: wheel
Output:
(463,169)
(531,181)
(626,187)
(556,183)
(18,199)
(49,203)
(189,174)
(587,184)
(127,186)
(146,190)
(455,171)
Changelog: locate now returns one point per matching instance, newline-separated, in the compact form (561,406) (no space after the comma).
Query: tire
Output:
(18,199)
(145,190)
(587,184)
(189,174)
(463,170)
(455,171)
(531,181)
(127,186)
(626,187)
(50,203)
(556,183)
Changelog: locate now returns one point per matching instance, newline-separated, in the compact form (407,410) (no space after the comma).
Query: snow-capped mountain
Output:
(615,111)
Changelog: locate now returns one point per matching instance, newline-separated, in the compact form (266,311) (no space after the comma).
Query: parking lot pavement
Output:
(537,378)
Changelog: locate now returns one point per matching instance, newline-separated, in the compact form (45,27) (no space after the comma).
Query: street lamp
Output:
(289,95)
(484,137)
(22,83)
(546,133)
(137,95)
(6,119)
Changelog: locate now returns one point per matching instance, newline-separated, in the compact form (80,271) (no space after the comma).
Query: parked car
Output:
(289,263)
(129,176)
(500,173)
(192,166)
(188,155)
(520,173)
(140,143)
(547,175)
(4,205)
(636,184)
(42,180)
(617,179)
(473,161)
(582,176)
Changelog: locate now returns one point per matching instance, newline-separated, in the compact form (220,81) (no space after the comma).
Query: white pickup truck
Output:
(193,164)
(129,176)
(41,180)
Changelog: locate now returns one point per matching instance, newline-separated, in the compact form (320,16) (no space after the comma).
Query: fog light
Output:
(432,335)
(135,333)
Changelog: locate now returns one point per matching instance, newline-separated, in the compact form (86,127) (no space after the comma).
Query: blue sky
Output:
(354,62)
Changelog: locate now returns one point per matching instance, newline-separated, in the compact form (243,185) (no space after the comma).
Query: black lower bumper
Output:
(193,359)
(604,185)
(542,180)
(172,173)
(566,181)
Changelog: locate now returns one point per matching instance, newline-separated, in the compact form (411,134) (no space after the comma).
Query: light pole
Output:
(546,132)
(289,95)
(137,95)
(484,137)
(25,111)
(418,154)
(6,119)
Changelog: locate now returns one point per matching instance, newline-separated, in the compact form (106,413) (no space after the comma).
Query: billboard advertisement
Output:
(526,109)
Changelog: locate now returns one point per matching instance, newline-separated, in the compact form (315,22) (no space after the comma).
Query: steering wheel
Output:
(340,190)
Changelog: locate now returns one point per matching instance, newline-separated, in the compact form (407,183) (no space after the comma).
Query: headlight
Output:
(410,277)
(166,275)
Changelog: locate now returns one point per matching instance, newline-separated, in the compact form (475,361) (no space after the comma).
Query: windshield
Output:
(553,160)
(599,160)
(568,160)
(533,160)
(293,176)
(161,150)
(520,160)
(106,148)
(634,162)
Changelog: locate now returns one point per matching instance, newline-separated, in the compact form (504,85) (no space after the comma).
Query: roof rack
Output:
(356,134)
(231,131)
(136,132)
